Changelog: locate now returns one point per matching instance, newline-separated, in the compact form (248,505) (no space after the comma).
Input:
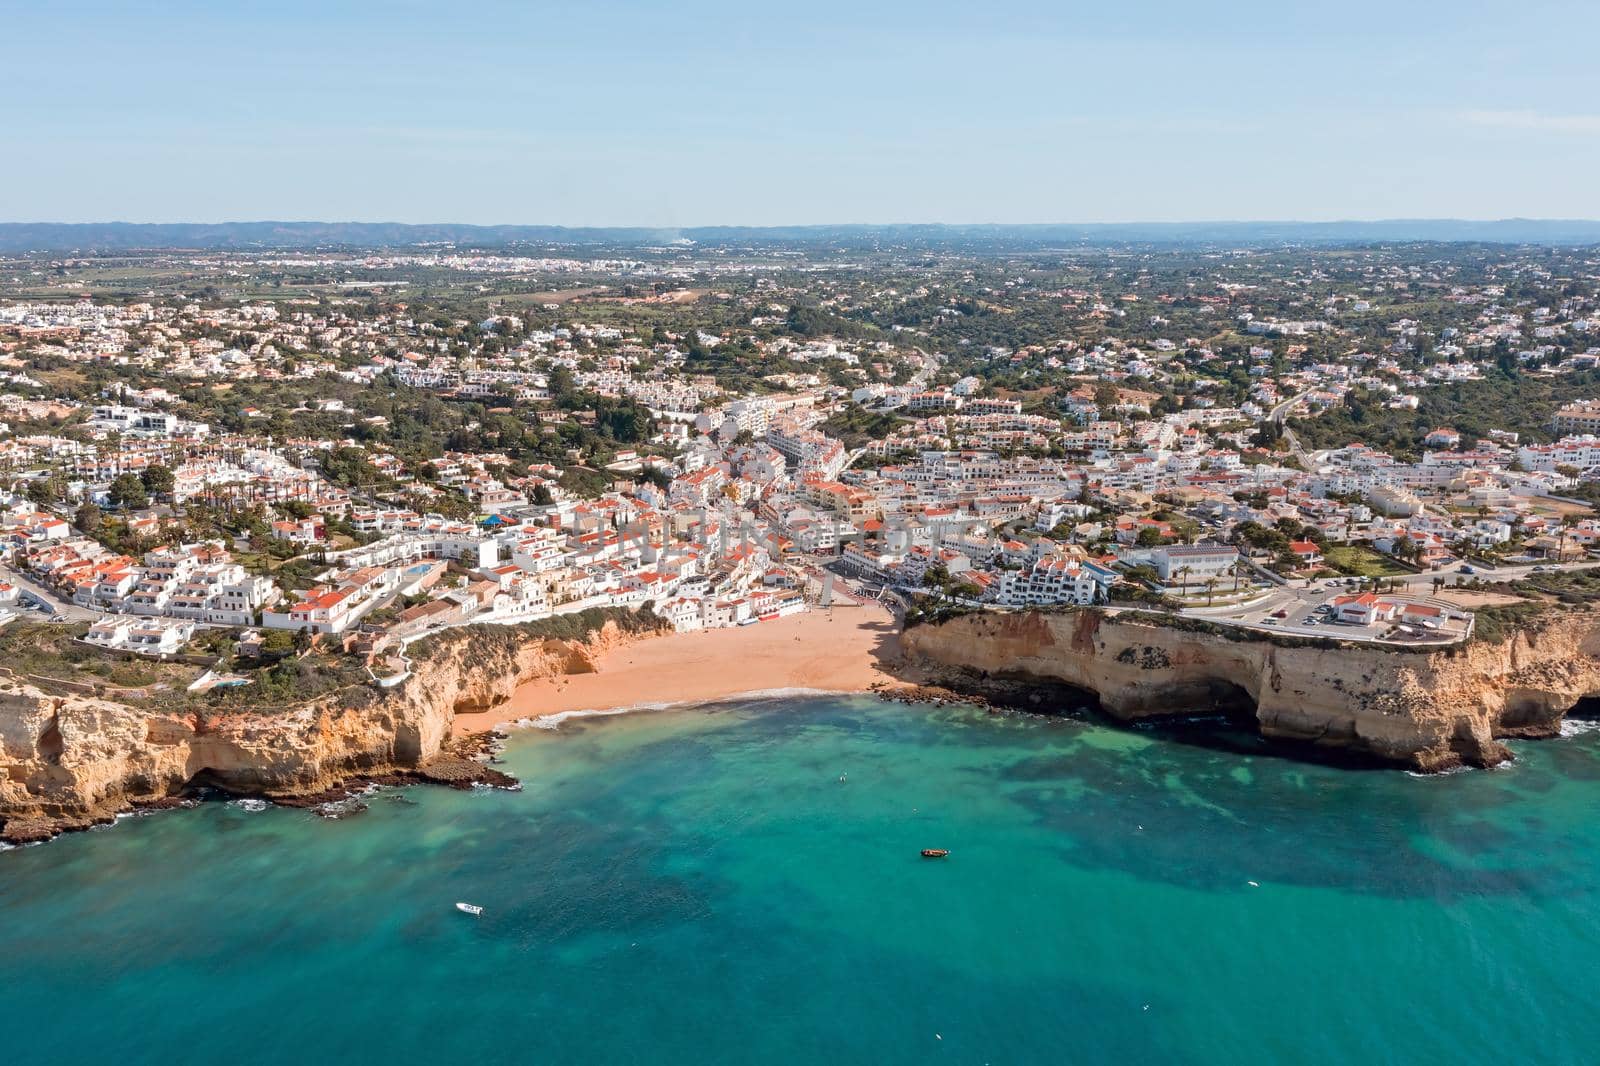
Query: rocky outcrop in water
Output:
(67,762)
(1430,710)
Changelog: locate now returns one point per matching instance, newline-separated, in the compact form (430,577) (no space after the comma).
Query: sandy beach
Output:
(844,649)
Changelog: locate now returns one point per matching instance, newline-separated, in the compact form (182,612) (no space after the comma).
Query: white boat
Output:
(469,908)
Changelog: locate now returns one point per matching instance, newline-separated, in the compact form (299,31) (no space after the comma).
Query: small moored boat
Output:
(469,908)
(935,853)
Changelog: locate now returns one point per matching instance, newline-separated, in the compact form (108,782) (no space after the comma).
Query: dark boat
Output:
(935,853)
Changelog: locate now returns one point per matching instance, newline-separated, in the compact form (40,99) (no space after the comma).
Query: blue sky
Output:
(699,113)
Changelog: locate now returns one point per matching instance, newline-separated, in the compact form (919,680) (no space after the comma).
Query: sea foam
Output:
(554,719)
(1452,771)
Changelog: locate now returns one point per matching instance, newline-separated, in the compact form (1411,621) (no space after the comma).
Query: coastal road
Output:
(1495,573)
(1298,601)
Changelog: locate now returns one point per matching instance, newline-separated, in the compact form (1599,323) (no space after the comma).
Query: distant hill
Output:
(128,236)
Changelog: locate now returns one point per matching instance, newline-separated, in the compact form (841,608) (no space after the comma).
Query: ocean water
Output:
(742,884)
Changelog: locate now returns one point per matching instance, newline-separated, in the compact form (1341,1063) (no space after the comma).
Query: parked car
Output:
(1466,568)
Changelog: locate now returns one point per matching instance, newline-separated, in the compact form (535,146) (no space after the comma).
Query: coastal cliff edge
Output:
(1424,709)
(72,761)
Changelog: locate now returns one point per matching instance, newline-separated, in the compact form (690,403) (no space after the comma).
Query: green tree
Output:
(88,519)
(128,492)
(656,476)
(278,641)
(41,491)
(158,481)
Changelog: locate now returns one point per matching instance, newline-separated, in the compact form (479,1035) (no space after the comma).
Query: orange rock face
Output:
(71,761)
(1424,709)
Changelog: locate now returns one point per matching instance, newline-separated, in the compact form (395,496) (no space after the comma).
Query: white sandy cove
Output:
(838,650)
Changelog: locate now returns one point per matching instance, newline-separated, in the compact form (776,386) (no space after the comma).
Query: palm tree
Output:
(1211,590)
(1567,522)
(1183,577)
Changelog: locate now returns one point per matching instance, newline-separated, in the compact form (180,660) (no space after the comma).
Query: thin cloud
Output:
(1538,121)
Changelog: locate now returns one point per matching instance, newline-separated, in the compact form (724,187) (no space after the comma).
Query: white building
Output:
(1054,581)
(1193,562)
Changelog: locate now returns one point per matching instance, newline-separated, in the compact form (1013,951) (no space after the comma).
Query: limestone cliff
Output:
(1425,709)
(71,761)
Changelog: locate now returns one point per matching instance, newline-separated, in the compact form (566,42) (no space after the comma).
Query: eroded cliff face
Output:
(1429,710)
(71,761)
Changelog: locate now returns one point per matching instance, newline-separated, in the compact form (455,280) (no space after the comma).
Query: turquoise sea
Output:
(742,884)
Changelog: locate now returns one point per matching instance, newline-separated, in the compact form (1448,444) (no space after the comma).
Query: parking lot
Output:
(1312,611)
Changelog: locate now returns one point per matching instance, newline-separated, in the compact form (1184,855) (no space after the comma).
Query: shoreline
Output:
(851,648)
(848,648)
(1427,712)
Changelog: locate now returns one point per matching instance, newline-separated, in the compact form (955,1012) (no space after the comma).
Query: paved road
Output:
(930,363)
(1298,600)
(63,608)
(1280,412)
(1492,573)
(1280,415)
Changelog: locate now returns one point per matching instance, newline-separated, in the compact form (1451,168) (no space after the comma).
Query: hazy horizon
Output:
(242,220)
(712,112)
